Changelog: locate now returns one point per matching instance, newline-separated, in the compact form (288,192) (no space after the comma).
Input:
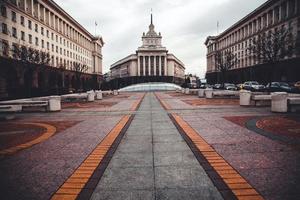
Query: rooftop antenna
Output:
(96,24)
(151,16)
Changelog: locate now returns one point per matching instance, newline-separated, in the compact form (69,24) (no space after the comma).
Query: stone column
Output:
(159,65)
(144,65)
(38,10)
(32,7)
(154,63)
(165,65)
(149,65)
(138,66)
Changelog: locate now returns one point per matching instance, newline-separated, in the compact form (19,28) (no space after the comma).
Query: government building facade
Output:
(44,26)
(150,63)
(272,16)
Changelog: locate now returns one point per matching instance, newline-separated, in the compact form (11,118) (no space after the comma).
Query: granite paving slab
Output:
(153,162)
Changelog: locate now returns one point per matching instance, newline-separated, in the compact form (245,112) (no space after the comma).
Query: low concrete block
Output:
(201,93)
(99,95)
(209,93)
(279,102)
(90,96)
(245,98)
(54,103)
(187,91)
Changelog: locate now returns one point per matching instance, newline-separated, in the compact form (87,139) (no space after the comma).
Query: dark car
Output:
(230,86)
(217,86)
(279,87)
(253,86)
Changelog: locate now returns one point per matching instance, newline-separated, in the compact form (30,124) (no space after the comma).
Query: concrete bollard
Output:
(245,98)
(279,102)
(90,96)
(187,91)
(99,95)
(115,92)
(201,93)
(54,103)
(209,93)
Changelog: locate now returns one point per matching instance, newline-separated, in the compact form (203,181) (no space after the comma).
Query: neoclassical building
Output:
(44,26)
(270,16)
(151,62)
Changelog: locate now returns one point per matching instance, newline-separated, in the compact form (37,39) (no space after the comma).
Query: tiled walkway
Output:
(154,162)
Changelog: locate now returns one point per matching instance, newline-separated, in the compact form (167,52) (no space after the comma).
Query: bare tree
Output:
(272,46)
(79,69)
(225,61)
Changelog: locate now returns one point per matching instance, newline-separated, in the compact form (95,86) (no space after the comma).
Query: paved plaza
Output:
(154,145)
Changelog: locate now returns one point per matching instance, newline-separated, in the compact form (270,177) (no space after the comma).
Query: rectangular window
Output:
(47,33)
(52,47)
(22,35)
(14,32)
(22,20)
(13,16)
(52,36)
(29,24)
(56,49)
(4,29)
(5,48)
(36,41)
(48,46)
(42,43)
(36,28)
(30,38)
(42,30)
(3,11)
(14,50)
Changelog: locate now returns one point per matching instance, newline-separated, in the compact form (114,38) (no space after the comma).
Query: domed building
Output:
(150,63)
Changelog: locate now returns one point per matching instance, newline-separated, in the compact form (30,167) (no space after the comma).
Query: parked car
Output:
(253,86)
(279,87)
(229,86)
(217,86)
(205,85)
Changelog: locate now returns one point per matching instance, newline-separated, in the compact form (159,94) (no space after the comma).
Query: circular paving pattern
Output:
(280,125)
(282,128)
(12,134)
(18,136)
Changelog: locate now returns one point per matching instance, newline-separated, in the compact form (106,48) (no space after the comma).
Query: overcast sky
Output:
(184,24)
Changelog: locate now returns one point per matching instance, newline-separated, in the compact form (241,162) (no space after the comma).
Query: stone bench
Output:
(248,98)
(211,93)
(225,93)
(261,100)
(194,91)
(10,108)
(74,97)
(293,104)
(50,103)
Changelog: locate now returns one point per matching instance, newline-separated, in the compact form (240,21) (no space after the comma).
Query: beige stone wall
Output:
(53,31)
(271,15)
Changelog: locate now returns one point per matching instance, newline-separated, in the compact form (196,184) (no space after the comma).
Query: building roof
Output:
(243,20)
(69,17)
(123,60)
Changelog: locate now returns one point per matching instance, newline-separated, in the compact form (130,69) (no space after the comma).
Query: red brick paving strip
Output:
(76,182)
(237,184)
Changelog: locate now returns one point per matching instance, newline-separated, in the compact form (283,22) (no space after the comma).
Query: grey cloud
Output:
(184,24)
